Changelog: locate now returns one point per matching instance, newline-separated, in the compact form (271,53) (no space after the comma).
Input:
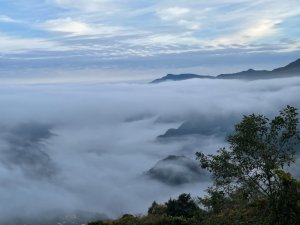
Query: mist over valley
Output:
(110,148)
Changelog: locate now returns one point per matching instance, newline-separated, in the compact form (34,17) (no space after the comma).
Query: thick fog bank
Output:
(73,147)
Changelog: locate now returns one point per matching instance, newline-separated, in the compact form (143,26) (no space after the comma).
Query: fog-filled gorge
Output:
(70,147)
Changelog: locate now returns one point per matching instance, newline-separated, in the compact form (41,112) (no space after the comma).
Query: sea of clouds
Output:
(68,147)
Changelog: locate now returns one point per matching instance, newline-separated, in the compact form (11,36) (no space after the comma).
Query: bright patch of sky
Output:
(115,33)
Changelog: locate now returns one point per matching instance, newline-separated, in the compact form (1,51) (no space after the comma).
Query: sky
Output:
(139,39)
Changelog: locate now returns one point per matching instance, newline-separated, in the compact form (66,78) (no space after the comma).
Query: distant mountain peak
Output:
(177,170)
(179,77)
(292,69)
(294,64)
(290,66)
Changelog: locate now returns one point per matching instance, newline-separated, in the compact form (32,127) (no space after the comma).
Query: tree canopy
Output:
(260,149)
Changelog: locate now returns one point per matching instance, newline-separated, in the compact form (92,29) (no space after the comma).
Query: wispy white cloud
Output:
(191,25)
(9,44)
(103,6)
(75,27)
(180,16)
(109,29)
(7,19)
(68,25)
(173,13)
(261,28)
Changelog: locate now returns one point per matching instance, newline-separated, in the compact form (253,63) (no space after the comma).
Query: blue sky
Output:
(157,36)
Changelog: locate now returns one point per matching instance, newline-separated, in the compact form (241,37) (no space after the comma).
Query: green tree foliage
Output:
(157,209)
(184,206)
(180,211)
(253,166)
(286,205)
(148,220)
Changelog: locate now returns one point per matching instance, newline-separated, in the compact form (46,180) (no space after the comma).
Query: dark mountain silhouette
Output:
(248,74)
(177,170)
(221,126)
(178,77)
(292,69)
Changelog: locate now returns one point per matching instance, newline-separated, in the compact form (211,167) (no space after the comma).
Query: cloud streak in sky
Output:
(128,29)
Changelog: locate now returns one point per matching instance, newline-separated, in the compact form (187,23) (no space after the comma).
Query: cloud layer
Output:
(86,147)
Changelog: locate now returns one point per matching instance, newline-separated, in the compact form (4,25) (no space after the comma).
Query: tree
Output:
(157,209)
(183,206)
(287,204)
(259,150)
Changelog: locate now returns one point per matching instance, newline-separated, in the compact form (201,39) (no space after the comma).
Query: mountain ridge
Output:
(291,69)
